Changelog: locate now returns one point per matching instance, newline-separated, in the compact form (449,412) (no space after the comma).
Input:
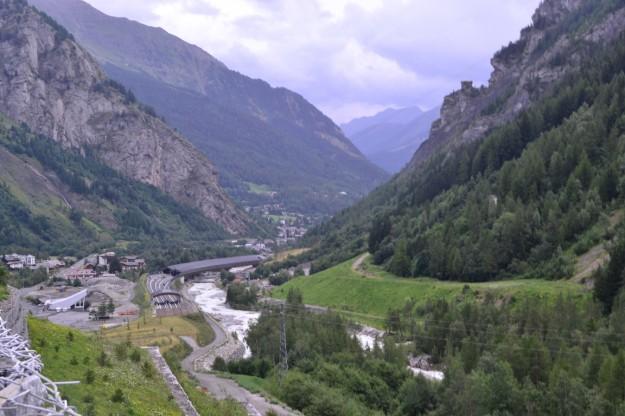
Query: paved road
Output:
(224,388)
(17,309)
(219,387)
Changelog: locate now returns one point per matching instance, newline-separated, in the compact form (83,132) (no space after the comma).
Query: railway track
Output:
(164,297)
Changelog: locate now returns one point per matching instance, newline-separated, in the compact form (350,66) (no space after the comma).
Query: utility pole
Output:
(284,355)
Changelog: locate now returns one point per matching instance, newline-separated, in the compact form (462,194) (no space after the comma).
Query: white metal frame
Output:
(26,362)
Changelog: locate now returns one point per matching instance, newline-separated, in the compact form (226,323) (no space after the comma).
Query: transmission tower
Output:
(284,355)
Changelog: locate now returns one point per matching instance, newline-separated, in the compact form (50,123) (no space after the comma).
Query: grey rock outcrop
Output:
(522,72)
(52,84)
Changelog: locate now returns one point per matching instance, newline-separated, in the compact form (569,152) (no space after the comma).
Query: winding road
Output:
(219,387)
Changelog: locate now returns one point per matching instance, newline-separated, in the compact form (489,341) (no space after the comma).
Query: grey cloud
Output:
(439,43)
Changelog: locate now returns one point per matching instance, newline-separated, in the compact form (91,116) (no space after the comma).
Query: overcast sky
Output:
(348,57)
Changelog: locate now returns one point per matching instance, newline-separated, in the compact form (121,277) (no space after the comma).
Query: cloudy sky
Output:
(348,57)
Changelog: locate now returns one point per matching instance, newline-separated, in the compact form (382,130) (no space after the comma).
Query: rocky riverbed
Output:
(212,300)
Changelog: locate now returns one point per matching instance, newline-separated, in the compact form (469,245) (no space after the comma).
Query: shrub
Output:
(118,396)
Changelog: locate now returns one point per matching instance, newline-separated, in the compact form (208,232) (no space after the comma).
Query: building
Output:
(131,263)
(242,272)
(83,275)
(52,264)
(19,261)
(213,265)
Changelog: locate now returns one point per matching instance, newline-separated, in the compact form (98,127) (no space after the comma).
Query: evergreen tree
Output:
(610,279)
(380,228)
(400,263)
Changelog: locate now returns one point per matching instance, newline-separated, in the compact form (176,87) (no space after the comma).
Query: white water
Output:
(429,375)
(368,336)
(212,300)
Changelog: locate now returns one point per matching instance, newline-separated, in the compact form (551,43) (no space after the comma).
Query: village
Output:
(100,289)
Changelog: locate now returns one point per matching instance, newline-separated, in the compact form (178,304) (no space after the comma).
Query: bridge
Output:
(75,301)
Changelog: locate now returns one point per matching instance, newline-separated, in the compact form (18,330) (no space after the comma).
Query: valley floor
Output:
(366,292)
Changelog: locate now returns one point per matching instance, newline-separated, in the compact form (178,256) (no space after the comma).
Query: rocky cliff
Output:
(562,31)
(254,133)
(52,84)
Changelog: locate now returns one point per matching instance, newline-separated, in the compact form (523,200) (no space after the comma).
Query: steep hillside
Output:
(256,134)
(60,202)
(52,84)
(528,195)
(561,33)
(391,137)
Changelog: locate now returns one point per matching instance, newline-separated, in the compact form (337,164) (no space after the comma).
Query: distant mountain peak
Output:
(390,137)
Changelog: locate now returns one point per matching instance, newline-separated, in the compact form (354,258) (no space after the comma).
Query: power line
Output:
(284,355)
(466,340)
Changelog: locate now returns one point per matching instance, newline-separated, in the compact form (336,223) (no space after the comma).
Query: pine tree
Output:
(400,263)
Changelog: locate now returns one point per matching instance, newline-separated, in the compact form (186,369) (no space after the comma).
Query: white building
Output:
(19,261)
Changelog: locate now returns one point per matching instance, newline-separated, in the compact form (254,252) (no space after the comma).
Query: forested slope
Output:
(60,202)
(514,202)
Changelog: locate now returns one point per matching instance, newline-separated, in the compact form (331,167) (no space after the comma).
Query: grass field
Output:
(283,255)
(259,189)
(162,332)
(368,298)
(67,358)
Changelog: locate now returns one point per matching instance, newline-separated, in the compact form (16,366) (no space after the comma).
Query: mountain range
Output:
(259,137)
(390,137)
(82,157)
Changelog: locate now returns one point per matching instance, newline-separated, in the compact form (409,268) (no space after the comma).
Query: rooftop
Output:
(213,265)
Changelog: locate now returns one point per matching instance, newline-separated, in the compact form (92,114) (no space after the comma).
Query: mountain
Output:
(390,116)
(54,86)
(391,137)
(258,136)
(61,202)
(517,177)
(524,71)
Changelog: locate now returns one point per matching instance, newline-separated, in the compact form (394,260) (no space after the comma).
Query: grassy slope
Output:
(342,288)
(145,396)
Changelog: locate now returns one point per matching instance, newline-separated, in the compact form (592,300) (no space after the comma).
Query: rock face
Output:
(254,133)
(52,84)
(522,72)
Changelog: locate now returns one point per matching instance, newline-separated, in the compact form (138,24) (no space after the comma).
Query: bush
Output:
(89,376)
(118,396)
(220,364)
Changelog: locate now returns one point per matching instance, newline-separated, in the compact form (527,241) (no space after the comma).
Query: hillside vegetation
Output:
(517,202)
(58,201)
(532,355)
(114,379)
(367,297)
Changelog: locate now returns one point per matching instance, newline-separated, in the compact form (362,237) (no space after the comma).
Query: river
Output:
(212,300)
